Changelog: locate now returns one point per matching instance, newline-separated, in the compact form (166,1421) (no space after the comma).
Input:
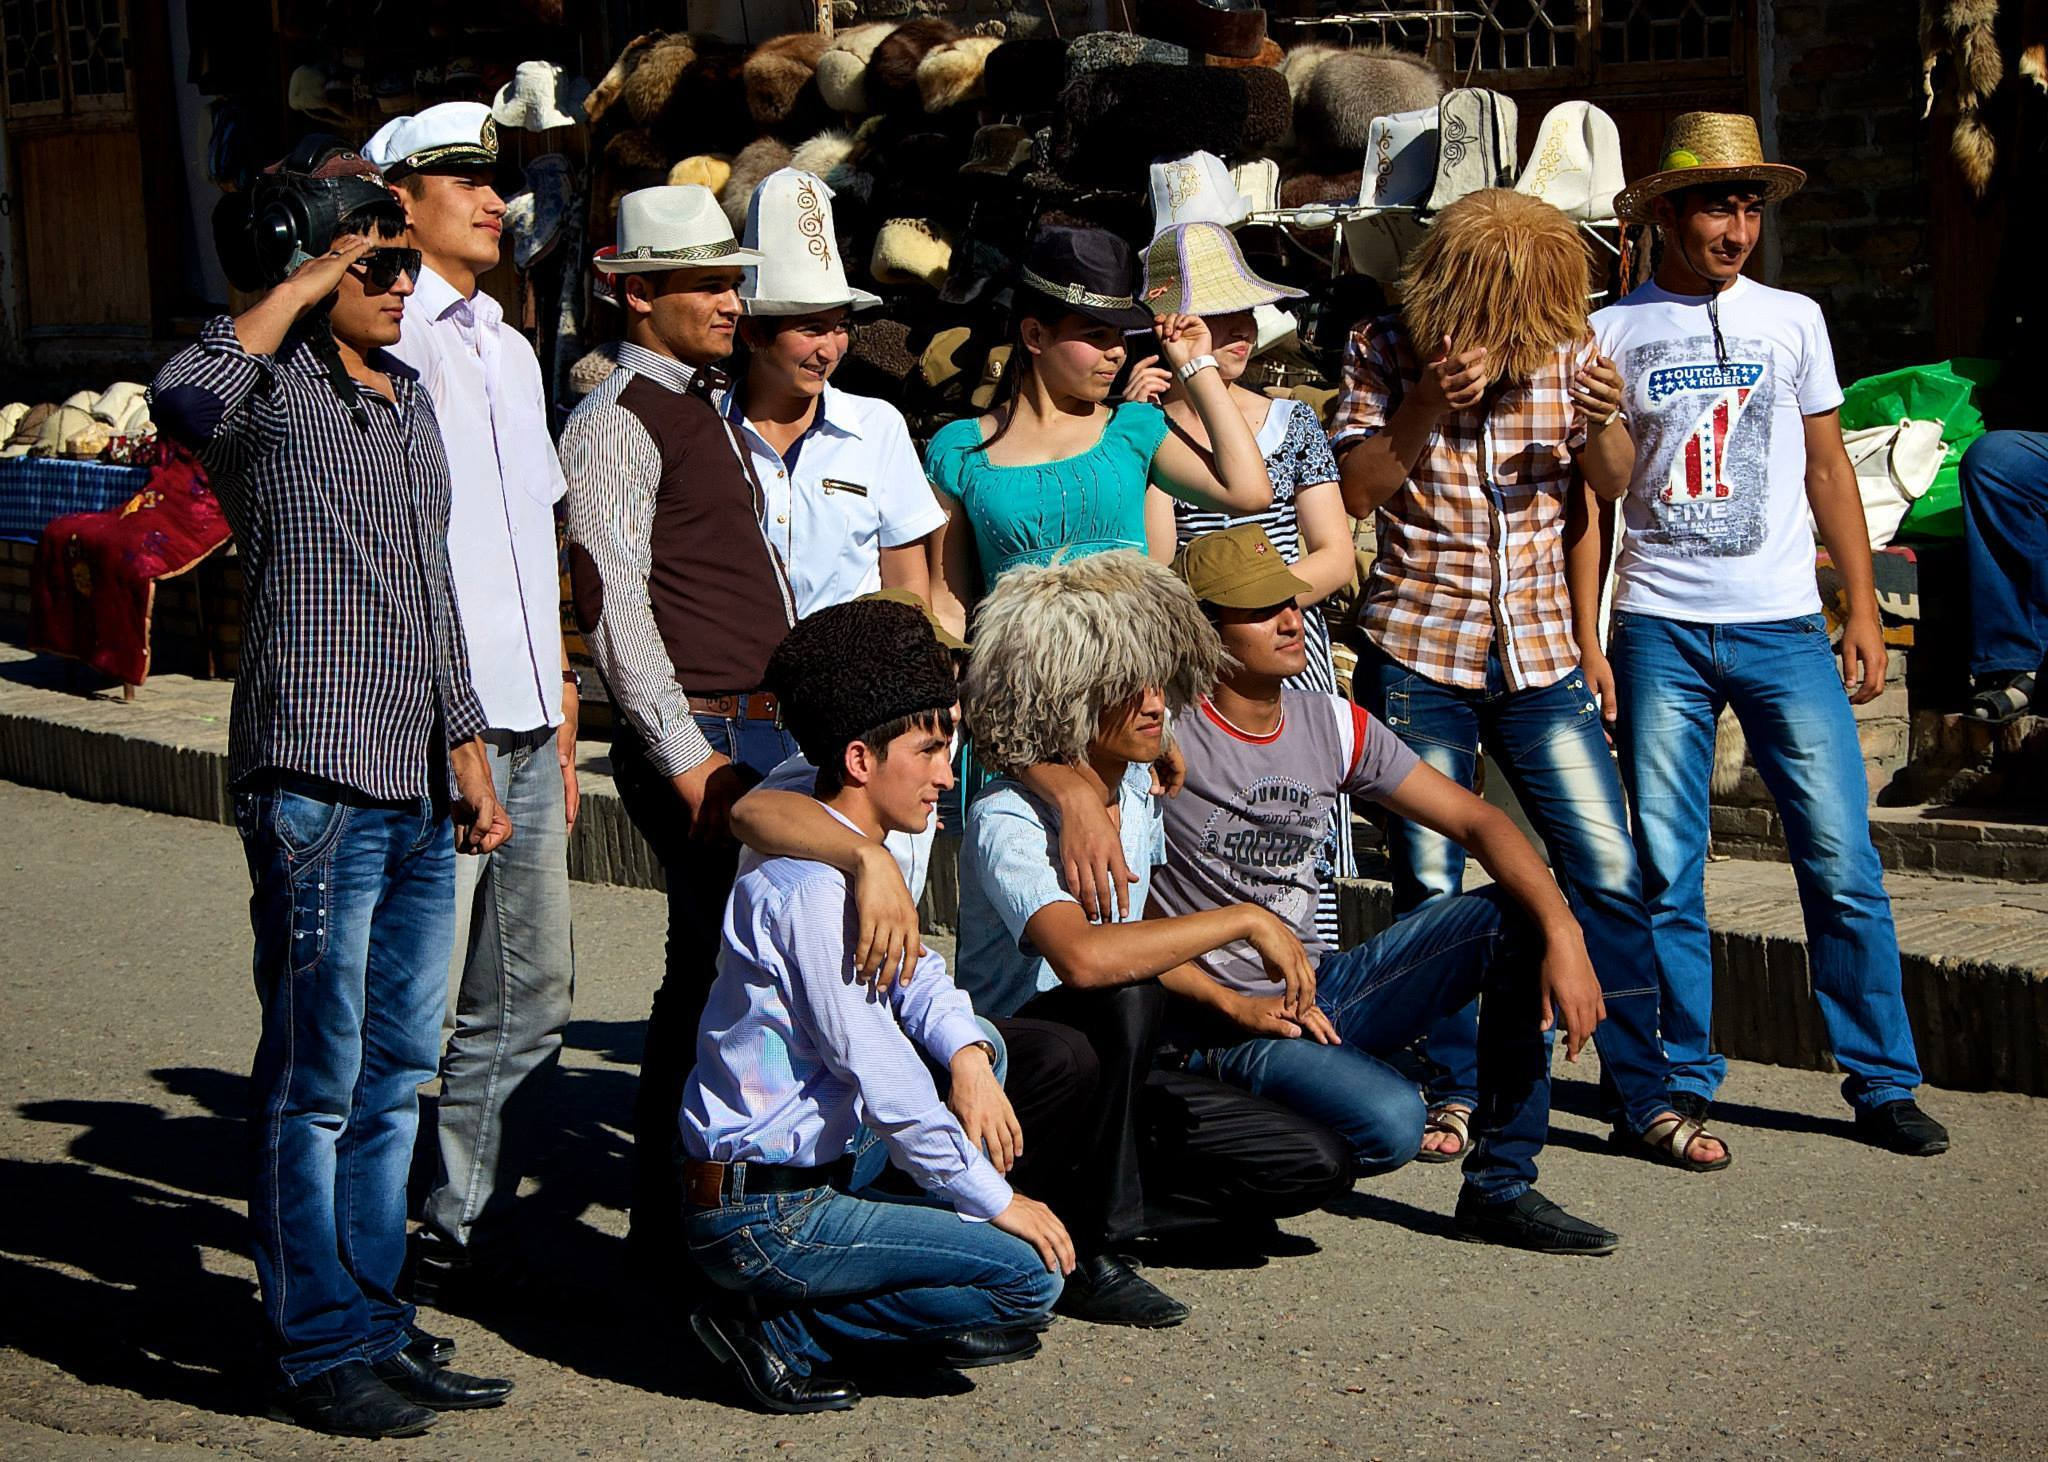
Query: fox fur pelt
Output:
(1962,31)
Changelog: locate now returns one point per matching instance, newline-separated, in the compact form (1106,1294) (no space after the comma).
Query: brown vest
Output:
(719,596)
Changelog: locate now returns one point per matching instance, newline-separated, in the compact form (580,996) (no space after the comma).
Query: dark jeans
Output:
(353,911)
(1381,996)
(2005,527)
(699,878)
(1549,742)
(1171,1149)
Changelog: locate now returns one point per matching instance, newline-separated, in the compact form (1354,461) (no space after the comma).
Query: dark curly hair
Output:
(866,671)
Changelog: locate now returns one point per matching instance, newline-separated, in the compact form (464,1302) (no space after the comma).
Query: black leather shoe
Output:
(1104,1290)
(436,1349)
(439,1387)
(434,1267)
(1903,1128)
(350,1401)
(971,1349)
(743,1348)
(1528,1222)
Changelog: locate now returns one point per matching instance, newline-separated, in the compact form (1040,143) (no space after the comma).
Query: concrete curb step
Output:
(1976,952)
(1955,842)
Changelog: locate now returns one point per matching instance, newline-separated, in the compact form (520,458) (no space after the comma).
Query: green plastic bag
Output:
(1946,393)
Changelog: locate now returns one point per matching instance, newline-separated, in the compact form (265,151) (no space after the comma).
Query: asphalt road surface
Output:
(1819,1299)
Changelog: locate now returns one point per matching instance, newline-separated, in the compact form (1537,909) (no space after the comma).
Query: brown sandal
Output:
(1449,1121)
(1670,1140)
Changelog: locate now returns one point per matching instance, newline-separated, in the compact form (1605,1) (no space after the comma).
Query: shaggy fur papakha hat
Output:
(951,74)
(759,158)
(1211,27)
(1056,646)
(1340,98)
(1024,77)
(850,669)
(892,73)
(609,89)
(781,81)
(1501,271)
(843,69)
(652,79)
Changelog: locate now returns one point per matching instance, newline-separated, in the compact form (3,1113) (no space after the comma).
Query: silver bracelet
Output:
(1194,367)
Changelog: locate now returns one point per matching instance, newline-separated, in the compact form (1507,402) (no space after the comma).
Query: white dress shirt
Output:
(486,388)
(856,489)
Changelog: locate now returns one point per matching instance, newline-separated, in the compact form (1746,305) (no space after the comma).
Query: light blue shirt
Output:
(794,1053)
(1010,869)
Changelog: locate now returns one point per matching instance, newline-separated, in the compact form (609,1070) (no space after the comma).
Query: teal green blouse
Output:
(1090,503)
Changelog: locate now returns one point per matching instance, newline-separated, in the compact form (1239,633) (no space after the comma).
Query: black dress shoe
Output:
(437,1349)
(439,1387)
(350,1401)
(1104,1290)
(971,1349)
(1903,1128)
(1528,1222)
(434,1267)
(743,1348)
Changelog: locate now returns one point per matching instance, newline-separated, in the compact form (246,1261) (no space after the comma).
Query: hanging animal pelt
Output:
(1962,31)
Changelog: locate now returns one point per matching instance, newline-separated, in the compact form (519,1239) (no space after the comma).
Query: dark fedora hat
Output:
(1087,270)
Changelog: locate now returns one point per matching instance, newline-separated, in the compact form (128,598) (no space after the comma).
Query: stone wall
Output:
(1841,92)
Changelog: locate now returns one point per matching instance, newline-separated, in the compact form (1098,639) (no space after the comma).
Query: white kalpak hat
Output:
(673,226)
(1576,166)
(789,221)
(1195,188)
(539,97)
(450,135)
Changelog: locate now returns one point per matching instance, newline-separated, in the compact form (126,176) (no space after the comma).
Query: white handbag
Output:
(1894,465)
(1576,167)
(1475,144)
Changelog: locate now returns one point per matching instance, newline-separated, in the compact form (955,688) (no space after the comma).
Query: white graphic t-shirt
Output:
(1718,529)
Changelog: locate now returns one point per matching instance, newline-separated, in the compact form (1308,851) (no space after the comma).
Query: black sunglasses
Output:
(381,267)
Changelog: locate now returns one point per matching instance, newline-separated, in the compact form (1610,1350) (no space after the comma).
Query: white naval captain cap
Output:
(450,135)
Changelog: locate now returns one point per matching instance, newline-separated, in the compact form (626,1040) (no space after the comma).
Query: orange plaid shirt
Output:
(1471,549)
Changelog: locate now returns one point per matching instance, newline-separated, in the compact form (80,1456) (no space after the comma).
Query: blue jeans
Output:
(1549,743)
(829,1274)
(1381,996)
(2005,527)
(353,910)
(1672,679)
(513,973)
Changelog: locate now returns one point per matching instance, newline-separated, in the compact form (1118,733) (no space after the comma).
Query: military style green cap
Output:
(1238,568)
(946,638)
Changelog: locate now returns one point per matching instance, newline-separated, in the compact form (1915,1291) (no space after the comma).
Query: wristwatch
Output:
(572,676)
(1194,367)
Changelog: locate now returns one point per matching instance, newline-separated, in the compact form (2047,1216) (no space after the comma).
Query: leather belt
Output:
(753,705)
(712,1184)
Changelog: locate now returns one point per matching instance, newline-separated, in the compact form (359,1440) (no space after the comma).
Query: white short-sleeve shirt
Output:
(855,487)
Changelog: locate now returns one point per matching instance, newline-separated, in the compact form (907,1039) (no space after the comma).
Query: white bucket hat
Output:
(789,224)
(1576,165)
(673,226)
(540,97)
(1195,188)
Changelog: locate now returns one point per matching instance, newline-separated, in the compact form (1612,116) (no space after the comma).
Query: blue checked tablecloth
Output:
(35,491)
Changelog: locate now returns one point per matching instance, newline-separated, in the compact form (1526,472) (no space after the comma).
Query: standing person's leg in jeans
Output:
(1440,723)
(515,958)
(2005,530)
(352,910)
(699,876)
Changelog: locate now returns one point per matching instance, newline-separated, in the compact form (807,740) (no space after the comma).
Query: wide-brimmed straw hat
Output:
(1708,147)
(1198,269)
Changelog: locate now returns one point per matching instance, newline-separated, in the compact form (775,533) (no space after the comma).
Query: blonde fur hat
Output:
(822,153)
(911,251)
(1058,645)
(1502,271)
(843,68)
(706,169)
(951,74)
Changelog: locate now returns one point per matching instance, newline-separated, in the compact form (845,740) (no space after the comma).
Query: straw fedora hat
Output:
(673,227)
(789,222)
(1708,147)
(1198,269)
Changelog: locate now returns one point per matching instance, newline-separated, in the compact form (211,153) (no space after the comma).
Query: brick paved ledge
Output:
(1976,949)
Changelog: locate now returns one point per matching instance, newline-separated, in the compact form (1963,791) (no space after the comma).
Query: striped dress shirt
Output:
(353,663)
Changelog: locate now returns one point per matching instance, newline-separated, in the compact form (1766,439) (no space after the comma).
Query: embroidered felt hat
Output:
(447,135)
(789,224)
(1238,568)
(1088,270)
(671,227)
(1198,269)
(1196,188)
(1708,147)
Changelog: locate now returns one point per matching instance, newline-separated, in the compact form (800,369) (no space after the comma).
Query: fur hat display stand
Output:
(944,147)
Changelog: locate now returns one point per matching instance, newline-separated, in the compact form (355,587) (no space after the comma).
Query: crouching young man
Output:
(1264,766)
(795,1052)
(1077,664)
